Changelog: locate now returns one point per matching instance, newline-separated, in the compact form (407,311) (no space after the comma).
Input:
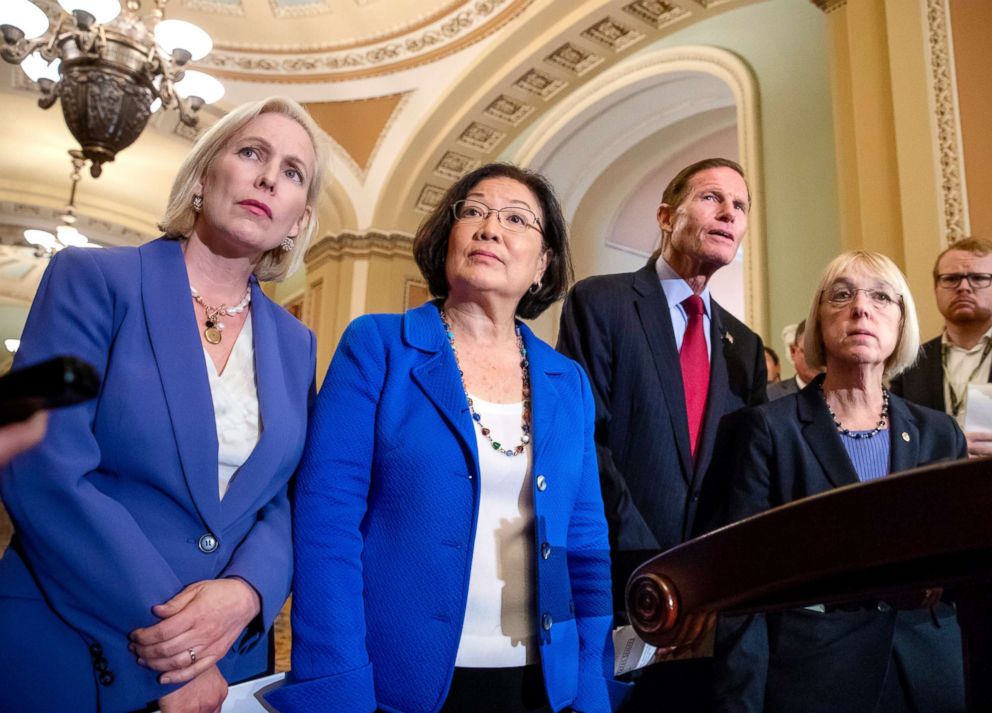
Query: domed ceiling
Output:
(330,40)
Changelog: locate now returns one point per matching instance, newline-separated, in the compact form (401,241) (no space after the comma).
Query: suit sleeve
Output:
(85,550)
(262,559)
(741,646)
(586,336)
(331,665)
(589,572)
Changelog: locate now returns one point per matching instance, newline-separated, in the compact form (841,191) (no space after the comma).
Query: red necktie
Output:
(695,364)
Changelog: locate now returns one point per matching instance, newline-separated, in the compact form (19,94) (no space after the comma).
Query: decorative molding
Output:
(454,165)
(430,196)
(235,9)
(28,215)
(613,34)
(945,106)
(465,25)
(352,244)
(575,59)
(481,137)
(825,5)
(508,109)
(540,84)
(656,13)
(309,9)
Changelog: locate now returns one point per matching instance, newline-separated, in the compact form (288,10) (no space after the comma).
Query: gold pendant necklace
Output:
(213,328)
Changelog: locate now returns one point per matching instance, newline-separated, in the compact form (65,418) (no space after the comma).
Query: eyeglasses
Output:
(842,296)
(977,280)
(514,219)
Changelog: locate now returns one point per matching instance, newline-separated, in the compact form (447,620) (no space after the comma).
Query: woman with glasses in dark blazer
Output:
(843,428)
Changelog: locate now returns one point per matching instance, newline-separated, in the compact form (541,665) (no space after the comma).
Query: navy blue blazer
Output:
(836,661)
(619,328)
(385,513)
(109,510)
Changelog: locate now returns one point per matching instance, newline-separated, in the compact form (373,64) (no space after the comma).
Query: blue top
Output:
(869,456)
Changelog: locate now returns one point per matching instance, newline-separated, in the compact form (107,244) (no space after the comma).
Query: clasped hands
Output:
(205,618)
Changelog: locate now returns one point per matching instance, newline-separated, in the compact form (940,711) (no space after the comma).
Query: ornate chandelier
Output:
(110,69)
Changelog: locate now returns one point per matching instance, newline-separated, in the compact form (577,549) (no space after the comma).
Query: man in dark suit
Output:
(643,339)
(804,372)
(962,355)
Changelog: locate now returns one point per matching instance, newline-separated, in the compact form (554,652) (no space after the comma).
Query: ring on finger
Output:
(192,655)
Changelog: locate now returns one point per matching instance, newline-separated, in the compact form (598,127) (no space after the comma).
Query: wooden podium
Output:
(891,539)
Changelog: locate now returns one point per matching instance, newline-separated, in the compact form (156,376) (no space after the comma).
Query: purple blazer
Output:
(118,509)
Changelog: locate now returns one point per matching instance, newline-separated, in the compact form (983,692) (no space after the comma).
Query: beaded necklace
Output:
(525,419)
(213,327)
(883,418)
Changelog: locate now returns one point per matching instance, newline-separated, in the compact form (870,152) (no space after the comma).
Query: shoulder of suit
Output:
(598,284)
(925,416)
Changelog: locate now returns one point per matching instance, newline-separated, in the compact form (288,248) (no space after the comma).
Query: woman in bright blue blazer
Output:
(125,530)
(393,593)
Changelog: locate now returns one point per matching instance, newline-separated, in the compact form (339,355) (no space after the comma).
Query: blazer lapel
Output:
(904,437)
(544,401)
(656,321)
(174,336)
(437,375)
(822,438)
(276,413)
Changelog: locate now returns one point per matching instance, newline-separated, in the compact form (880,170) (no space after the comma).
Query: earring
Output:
(535,288)
(287,244)
(197,202)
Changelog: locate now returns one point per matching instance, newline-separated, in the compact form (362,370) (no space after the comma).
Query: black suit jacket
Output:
(619,328)
(804,660)
(923,383)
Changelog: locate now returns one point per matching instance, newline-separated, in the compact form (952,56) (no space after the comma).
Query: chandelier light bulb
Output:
(70,237)
(172,35)
(198,84)
(41,238)
(102,10)
(25,16)
(35,66)
(12,345)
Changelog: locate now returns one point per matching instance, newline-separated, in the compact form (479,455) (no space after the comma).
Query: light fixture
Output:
(12,345)
(108,66)
(66,235)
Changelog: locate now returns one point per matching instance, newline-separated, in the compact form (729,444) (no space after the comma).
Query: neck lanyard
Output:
(957,401)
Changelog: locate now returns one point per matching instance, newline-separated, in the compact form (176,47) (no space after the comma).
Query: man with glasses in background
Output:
(962,355)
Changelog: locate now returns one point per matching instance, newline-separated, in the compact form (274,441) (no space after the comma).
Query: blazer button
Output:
(542,483)
(545,550)
(884,607)
(546,622)
(106,678)
(207,543)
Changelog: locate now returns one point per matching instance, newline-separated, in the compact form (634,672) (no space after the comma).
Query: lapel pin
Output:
(728,337)
(905,436)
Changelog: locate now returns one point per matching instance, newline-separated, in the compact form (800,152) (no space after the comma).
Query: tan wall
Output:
(971,21)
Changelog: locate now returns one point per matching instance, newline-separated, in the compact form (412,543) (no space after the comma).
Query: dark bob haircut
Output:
(430,245)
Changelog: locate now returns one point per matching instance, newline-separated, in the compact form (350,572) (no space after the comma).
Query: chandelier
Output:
(66,235)
(111,69)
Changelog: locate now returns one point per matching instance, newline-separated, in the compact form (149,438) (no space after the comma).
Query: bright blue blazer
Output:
(385,513)
(110,508)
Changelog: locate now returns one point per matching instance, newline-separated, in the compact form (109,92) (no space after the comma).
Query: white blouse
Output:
(499,629)
(235,398)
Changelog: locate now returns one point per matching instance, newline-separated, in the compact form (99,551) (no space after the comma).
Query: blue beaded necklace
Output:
(525,420)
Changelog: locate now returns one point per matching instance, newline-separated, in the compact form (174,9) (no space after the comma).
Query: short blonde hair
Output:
(882,268)
(179,217)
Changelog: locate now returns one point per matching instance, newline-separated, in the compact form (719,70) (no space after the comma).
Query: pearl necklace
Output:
(212,325)
(525,419)
(883,418)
